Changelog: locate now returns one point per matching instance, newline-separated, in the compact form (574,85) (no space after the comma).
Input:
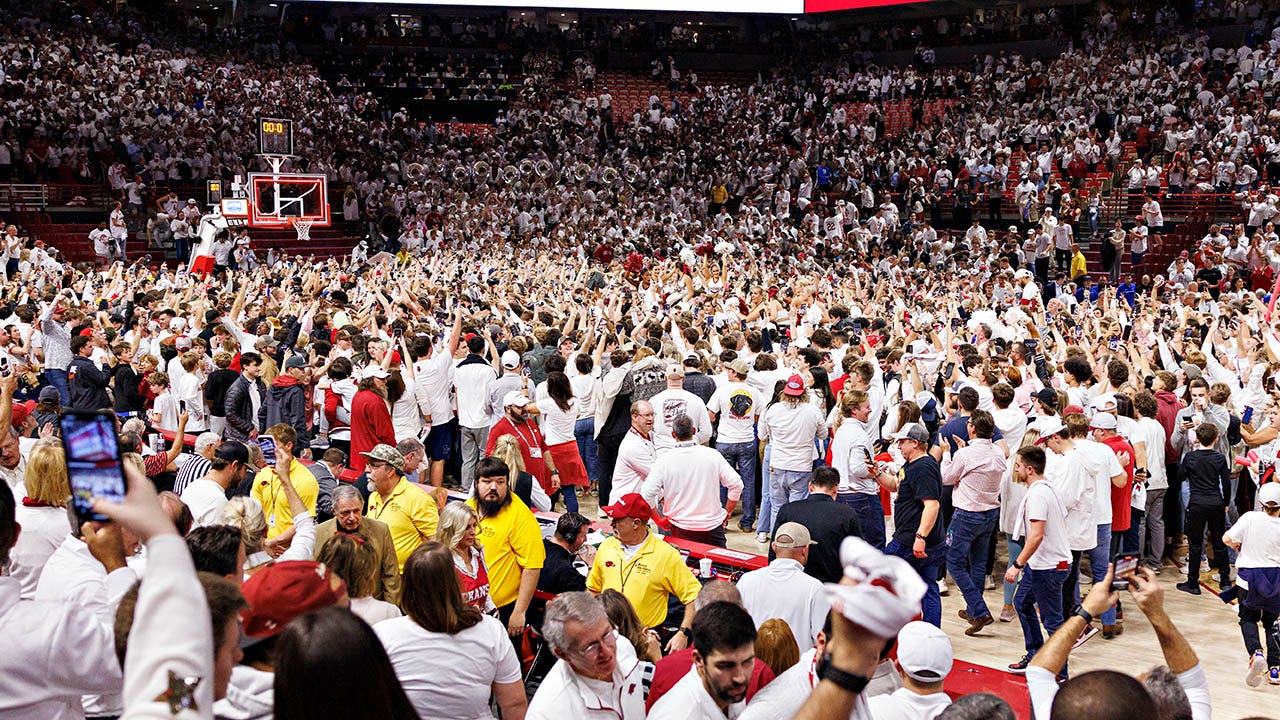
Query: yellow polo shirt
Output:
(653,573)
(410,513)
(268,491)
(512,542)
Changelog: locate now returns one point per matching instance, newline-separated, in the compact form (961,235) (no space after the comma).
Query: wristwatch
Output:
(1088,618)
(686,632)
(1017,564)
(851,682)
(555,472)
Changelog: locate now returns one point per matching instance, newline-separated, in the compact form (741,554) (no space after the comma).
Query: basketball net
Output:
(303,227)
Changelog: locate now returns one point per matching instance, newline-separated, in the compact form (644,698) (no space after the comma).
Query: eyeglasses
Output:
(592,650)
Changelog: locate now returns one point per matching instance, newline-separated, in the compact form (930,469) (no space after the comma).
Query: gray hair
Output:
(205,440)
(410,445)
(1166,692)
(717,591)
(579,606)
(346,491)
(134,425)
(978,706)
(682,427)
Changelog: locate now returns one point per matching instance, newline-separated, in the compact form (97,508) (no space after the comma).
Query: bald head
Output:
(717,591)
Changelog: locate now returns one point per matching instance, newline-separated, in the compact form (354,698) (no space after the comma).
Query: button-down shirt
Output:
(783,590)
(976,470)
(655,571)
(687,479)
(566,695)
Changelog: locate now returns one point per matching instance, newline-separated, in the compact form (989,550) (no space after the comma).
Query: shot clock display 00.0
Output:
(275,136)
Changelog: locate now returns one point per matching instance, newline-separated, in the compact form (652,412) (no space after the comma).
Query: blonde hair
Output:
(507,449)
(135,460)
(245,514)
(46,476)
(453,523)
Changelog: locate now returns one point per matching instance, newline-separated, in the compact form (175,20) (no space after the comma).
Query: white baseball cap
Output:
(510,359)
(1103,421)
(1052,426)
(1269,494)
(924,652)
(514,398)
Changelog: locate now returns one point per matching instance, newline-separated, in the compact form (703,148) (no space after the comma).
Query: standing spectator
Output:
(206,494)
(791,426)
(216,388)
(286,402)
(783,590)
(1152,434)
(409,512)
(736,407)
(458,533)
(925,658)
(349,519)
(850,449)
(533,447)
(687,480)
(472,379)
(245,405)
(1208,480)
(434,370)
(975,470)
(828,522)
(269,492)
(636,454)
(450,657)
(370,418)
(917,532)
(1045,560)
(559,412)
(671,404)
(1256,537)
(512,543)
(101,240)
(640,565)
(87,383)
(42,515)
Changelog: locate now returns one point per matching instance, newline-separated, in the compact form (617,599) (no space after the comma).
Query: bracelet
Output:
(1017,564)
(850,682)
(686,632)
(921,537)
(1088,617)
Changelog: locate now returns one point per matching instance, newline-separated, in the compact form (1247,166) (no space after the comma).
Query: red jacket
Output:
(370,425)
(1167,407)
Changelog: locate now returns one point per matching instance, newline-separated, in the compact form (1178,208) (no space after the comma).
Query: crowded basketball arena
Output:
(773,359)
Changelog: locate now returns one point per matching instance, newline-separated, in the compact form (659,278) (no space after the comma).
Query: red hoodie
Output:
(370,425)
(1167,407)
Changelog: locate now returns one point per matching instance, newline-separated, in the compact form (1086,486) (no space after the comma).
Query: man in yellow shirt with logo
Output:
(644,567)
(409,512)
(512,542)
(268,491)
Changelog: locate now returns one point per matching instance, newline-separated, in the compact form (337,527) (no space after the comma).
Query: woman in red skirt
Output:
(559,411)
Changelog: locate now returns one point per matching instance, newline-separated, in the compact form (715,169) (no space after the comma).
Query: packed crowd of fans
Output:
(741,313)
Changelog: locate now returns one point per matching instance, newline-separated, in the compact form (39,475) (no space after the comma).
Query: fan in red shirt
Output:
(1104,431)
(370,417)
(533,449)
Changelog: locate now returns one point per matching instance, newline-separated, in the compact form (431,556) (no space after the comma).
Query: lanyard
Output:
(528,442)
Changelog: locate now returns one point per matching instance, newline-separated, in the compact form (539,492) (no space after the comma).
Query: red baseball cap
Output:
(20,412)
(631,505)
(795,386)
(279,593)
(87,332)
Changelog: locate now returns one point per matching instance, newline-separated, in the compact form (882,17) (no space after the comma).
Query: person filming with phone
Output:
(277,445)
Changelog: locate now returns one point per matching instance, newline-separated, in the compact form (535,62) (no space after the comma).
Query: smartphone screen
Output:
(93,460)
(1125,565)
(268,445)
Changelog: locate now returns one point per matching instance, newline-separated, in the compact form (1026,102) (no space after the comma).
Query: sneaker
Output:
(943,590)
(1190,586)
(1088,632)
(977,624)
(990,583)
(1229,594)
(1020,667)
(1008,614)
(762,538)
(1273,676)
(1257,668)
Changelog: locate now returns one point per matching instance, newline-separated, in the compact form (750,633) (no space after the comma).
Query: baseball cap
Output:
(1051,427)
(515,397)
(233,451)
(740,367)
(1048,398)
(49,394)
(1103,421)
(912,431)
(1102,401)
(374,371)
(23,409)
(792,535)
(182,342)
(924,652)
(1269,494)
(383,452)
(87,332)
(1191,371)
(298,361)
(795,386)
(211,315)
(631,505)
(279,593)
(674,371)
(511,359)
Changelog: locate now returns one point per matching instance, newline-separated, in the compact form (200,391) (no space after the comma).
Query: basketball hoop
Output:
(303,227)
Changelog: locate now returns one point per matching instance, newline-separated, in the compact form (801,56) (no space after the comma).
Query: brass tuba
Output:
(543,168)
(581,171)
(609,175)
(510,174)
(481,169)
(414,172)
(630,172)
(526,168)
(460,173)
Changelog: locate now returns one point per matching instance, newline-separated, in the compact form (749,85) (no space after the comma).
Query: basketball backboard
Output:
(274,199)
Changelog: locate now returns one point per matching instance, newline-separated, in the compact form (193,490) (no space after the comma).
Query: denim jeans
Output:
(786,486)
(1129,542)
(967,538)
(927,567)
(870,516)
(570,494)
(1099,559)
(584,431)
(764,523)
(58,379)
(1039,589)
(1015,549)
(742,457)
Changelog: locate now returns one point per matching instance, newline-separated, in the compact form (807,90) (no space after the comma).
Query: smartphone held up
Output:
(92,449)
